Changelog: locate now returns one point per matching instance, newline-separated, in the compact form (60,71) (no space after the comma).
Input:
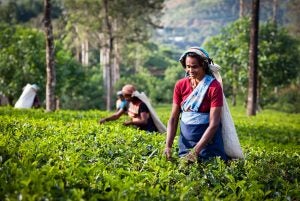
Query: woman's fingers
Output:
(168,154)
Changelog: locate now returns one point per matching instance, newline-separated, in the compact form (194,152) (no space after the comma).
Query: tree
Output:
(230,50)
(253,61)
(114,22)
(278,58)
(124,21)
(22,59)
(241,13)
(275,10)
(153,68)
(50,65)
(107,51)
(293,7)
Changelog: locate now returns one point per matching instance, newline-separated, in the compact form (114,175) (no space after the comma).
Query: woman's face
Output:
(127,97)
(193,68)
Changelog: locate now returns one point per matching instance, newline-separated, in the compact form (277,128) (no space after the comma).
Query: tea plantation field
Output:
(67,155)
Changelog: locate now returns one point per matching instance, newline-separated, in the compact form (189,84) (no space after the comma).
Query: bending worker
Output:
(140,111)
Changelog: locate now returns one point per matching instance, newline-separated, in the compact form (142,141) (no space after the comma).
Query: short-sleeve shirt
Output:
(212,98)
(136,108)
(122,104)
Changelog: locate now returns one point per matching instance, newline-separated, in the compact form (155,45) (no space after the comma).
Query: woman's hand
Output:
(127,123)
(191,157)
(102,121)
(171,130)
(168,153)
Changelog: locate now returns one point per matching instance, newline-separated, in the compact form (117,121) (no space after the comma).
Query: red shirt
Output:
(212,98)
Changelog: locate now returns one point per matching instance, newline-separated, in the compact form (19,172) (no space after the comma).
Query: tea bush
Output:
(67,155)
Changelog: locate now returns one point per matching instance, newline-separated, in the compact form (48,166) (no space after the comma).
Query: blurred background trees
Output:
(101,45)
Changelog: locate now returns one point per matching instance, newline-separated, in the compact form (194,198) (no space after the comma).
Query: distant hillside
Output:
(191,22)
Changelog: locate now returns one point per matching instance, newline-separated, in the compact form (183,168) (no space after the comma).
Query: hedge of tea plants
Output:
(67,155)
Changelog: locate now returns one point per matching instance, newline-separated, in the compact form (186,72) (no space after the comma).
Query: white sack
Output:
(159,125)
(230,139)
(26,98)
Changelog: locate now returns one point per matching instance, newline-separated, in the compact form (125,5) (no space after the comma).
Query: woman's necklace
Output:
(194,82)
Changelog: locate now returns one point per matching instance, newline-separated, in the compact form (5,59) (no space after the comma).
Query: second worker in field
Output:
(140,111)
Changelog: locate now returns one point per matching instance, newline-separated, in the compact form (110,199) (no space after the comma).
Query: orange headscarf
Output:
(128,89)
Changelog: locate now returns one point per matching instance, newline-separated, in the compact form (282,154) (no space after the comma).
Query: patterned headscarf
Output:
(199,51)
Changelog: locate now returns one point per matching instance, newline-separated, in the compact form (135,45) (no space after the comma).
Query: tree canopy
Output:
(84,32)
(277,57)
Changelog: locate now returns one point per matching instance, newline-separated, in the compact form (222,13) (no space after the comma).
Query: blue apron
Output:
(193,125)
(190,134)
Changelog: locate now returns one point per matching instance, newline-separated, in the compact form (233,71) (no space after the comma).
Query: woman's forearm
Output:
(206,138)
(214,121)
(171,131)
(139,122)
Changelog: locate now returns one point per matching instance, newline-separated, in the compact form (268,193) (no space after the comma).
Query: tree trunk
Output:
(253,61)
(275,8)
(77,45)
(85,52)
(116,64)
(78,54)
(86,56)
(116,58)
(137,62)
(241,14)
(259,81)
(234,84)
(50,67)
(104,63)
(108,46)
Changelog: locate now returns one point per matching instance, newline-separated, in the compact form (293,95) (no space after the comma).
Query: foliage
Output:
(229,49)
(293,17)
(14,12)
(131,21)
(286,99)
(154,67)
(278,60)
(66,155)
(22,61)
(278,56)
(143,83)
(190,22)
(165,88)
(78,87)
(147,55)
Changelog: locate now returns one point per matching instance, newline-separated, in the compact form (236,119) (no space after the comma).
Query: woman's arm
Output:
(171,129)
(143,120)
(214,121)
(115,116)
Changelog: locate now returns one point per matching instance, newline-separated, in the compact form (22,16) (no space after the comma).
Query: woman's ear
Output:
(186,73)
(205,66)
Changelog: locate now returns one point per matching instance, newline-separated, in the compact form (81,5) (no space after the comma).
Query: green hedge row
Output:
(66,155)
